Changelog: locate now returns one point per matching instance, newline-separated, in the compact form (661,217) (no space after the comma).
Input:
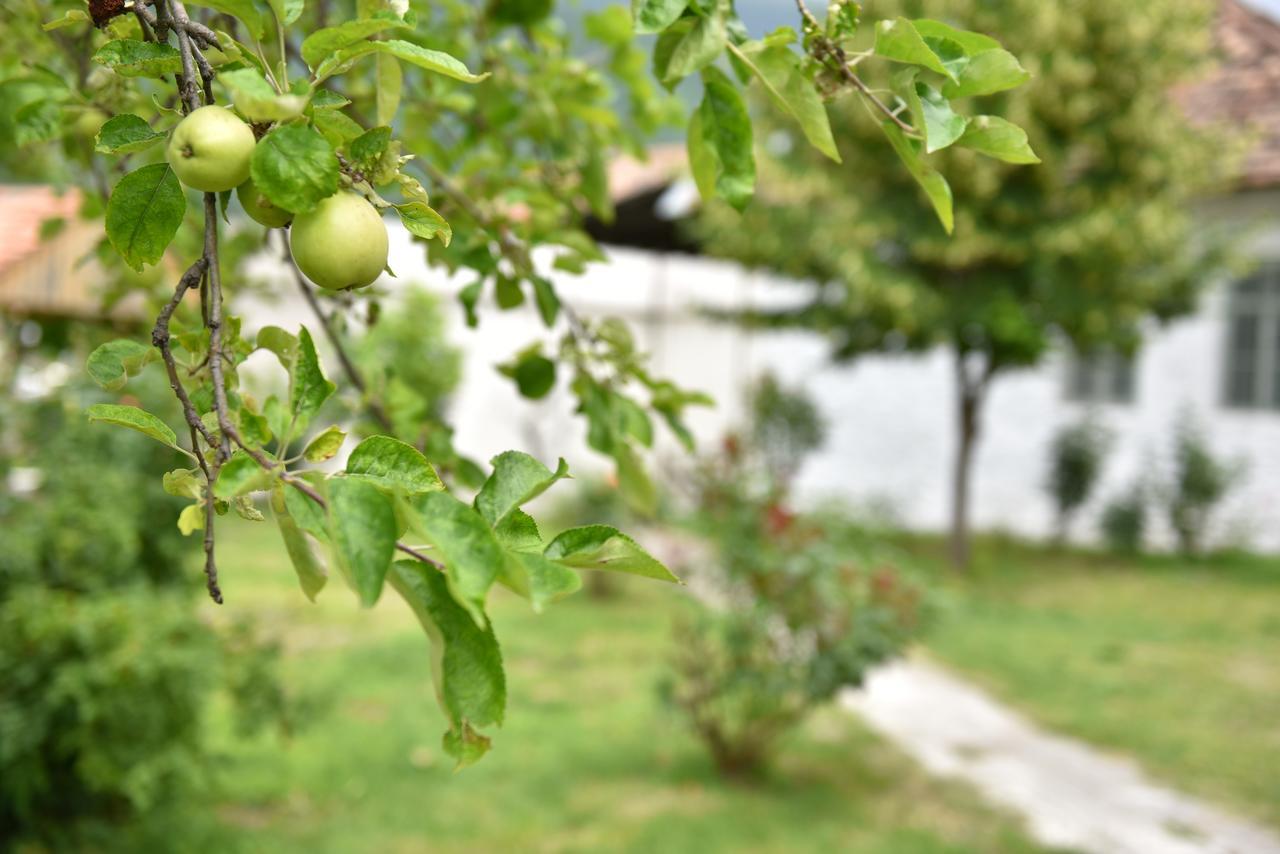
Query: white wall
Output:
(891,437)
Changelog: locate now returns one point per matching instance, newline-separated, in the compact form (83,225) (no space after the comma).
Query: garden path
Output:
(1073,795)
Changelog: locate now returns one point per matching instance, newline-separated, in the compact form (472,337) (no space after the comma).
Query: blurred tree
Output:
(1091,244)
(1075,461)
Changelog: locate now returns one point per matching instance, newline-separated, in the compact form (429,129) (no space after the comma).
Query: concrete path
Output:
(1072,795)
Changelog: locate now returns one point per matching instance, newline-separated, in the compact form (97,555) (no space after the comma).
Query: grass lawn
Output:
(1174,663)
(588,760)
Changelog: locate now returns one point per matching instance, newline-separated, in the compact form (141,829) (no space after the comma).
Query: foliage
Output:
(786,426)
(1124,521)
(804,605)
(107,671)
(1198,484)
(498,153)
(1076,456)
(1088,245)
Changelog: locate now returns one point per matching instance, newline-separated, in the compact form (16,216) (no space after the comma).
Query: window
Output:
(1100,377)
(1253,342)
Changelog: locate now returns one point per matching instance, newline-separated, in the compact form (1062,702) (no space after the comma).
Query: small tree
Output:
(1200,482)
(1076,456)
(1124,521)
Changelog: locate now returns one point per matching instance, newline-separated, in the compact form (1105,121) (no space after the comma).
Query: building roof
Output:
(23,209)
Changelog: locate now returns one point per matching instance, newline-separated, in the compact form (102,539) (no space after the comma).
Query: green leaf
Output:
(133,58)
(518,532)
(241,475)
(538,579)
(466,664)
(286,11)
(111,364)
(256,100)
(431,60)
(634,483)
(191,519)
(986,73)
(697,49)
(998,138)
(245,509)
(654,16)
(971,42)
(135,419)
(394,465)
(325,445)
(283,344)
(721,150)
(607,548)
(470,551)
(930,180)
(144,212)
(71,18)
(423,221)
(390,80)
(362,527)
(899,41)
(778,69)
(323,43)
(309,515)
(370,145)
(544,294)
(308,388)
(183,483)
(125,134)
(248,11)
(466,746)
(312,575)
(335,126)
(295,168)
(942,125)
(517,478)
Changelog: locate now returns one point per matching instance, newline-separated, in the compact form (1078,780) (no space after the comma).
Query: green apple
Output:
(210,150)
(341,244)
(89,122)
(259,207)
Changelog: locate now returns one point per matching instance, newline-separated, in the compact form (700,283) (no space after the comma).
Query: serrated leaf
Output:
(336,126)
(144,212)
(721,152)
(255,99)
(241,475)
(972,43)
(325,445)
(517,479)
(309,515)
(295,168)
(778,69)
(112,364)
(311,573)
(125,134)
(899,41)
(370,145)
(697,49)
(183,483)
(941,125)
(998,138)
(363,530)
(393,465)
(308,387)
(470,551)
(323,43)
(606,548)
(654,16)
(930,180)
(466,662)
(518,532)
(133,58)
(423,221)
(541,581)
(135,419)
(987,73)
(432,60)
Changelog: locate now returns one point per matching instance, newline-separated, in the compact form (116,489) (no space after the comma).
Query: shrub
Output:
(803,606)
(1076,456)
(1124,521)
(1200,482)
(106,668)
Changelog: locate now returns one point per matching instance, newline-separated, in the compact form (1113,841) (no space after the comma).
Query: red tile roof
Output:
(1244,89)
(22,210)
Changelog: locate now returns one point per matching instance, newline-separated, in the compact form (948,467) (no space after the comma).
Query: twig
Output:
(835,57)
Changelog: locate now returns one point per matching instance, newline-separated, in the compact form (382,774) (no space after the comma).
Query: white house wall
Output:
(890,417)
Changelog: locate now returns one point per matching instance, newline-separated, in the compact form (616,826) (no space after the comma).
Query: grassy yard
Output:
(588,761)
(1172,662)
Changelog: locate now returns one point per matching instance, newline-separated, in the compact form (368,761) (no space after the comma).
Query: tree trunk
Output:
(969,394)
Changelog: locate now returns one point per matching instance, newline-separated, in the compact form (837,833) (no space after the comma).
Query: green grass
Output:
(1172,662)
(588,761)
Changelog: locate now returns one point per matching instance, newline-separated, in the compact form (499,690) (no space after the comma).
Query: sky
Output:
(1270,6)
